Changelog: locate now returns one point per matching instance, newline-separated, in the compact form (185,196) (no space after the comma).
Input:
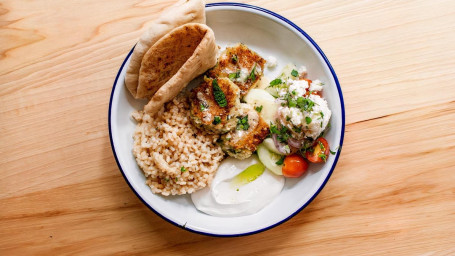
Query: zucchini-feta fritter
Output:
(214,104)
(249,132)
(241,65)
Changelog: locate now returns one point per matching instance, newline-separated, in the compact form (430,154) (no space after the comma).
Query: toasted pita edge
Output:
(182,12)
(203,58)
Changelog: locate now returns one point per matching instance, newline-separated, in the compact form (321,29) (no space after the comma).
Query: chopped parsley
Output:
(252,75)
(282,134)
(322,115)
(308,120)
(274,129)
(216,120)
(334,153)
(234,58)
(242,123)
(294,73)
(305,104)
(276,82)
(281,161)
(235,75)
(288,118)
(182,169)
(203,106)
(323,157)
(292,103)
(297,129)
(218,94)
(321,146)
(259,109)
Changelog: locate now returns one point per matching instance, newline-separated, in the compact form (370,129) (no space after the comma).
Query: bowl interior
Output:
(268,35)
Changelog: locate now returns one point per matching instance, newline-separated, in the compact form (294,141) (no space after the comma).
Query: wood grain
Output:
(392,192)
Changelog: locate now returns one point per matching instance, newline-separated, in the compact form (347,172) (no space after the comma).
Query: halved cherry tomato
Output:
(319,152)
(294,166)
(319,93)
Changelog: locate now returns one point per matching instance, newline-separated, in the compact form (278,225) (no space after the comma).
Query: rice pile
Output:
(175,156)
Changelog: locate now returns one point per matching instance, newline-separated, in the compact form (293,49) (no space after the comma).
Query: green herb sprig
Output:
(218,94)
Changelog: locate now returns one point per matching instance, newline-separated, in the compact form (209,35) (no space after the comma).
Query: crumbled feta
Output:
(316,85)
(319,117)
(302,71)
(282,92)
(258,70)
(271,62)
(318,121)
(298,86)
(243,75)
(293,116)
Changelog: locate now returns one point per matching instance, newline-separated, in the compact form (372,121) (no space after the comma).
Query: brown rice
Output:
(175,156)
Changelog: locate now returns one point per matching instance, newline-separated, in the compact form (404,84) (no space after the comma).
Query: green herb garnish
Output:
(182,169)
(274,129)
(282,134)
(295,73)
(242,123)
(297,129)
(281,161)
(323,157)
(291,102)
(203,106)
(252,75)
(234,58)
(321,146)
(305,104)
(216,120)
(276,82)
(235,75)
(220,98)
(259,109)
(308,120)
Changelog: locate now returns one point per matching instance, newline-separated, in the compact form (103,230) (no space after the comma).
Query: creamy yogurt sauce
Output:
(224,199)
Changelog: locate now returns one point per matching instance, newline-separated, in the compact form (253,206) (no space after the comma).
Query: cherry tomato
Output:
(294,166)
(319,152)
(319,93)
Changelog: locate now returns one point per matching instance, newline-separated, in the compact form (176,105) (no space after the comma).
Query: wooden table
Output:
(392,193)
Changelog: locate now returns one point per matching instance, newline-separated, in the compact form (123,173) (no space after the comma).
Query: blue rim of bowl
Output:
(336,157)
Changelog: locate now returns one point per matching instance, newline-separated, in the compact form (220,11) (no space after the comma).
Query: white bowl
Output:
(268,34)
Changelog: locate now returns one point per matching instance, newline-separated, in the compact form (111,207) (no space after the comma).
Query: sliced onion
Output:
(295,143)
(279,146)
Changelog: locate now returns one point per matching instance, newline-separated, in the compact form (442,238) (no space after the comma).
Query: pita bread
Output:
(182,12)
(176,59)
